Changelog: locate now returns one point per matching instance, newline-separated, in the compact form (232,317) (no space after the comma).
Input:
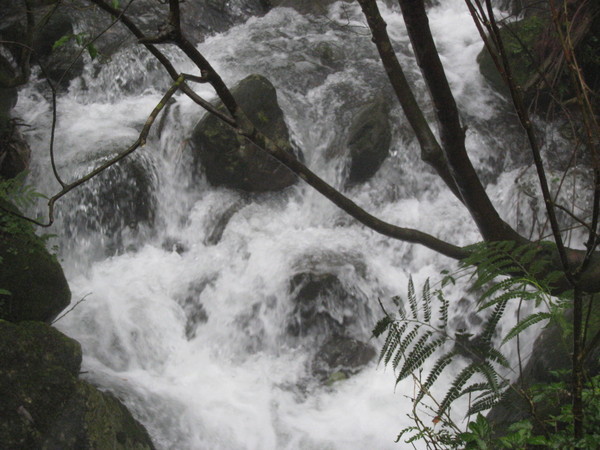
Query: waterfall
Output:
(188,290)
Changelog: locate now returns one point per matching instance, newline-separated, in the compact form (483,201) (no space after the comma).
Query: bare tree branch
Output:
(431,152)
(452,134)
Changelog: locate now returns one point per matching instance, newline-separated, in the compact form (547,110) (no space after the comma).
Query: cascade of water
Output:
(190,312)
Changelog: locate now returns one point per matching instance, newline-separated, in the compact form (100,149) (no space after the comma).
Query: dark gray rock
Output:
(33,277)
(15,152)
(226,160)
(119,203)
(304,6)
(44,405)
(340,357)
(323,305)
(369,141)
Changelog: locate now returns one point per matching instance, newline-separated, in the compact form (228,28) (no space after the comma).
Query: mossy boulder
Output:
(535,54)
(14,150)
(60,63)
(15,153)
(36,285)
(227,159)
(519,40)
(44,405)
(369,141)
(38,370)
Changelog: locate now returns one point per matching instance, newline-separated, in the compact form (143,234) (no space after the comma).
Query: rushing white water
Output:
(196,342)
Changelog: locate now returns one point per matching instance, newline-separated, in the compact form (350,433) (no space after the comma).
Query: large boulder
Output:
(519,39)
(61,63)
(227,160)
(534,51)
(118,206)
(44,405)
(369,141)
(36,285)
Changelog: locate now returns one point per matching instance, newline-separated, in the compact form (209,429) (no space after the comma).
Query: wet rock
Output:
(226,160)
(120,204)
(8,96)
(33,277)
(323,305)
(171,244)
(15,152)
(369,141)
(195,312)
(304,6)
(60,64)
(44,405)
(215,232)
(340,357)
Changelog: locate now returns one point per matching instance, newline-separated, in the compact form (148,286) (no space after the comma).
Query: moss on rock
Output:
(229,160)
(45,406)
(36,282)
(519,39)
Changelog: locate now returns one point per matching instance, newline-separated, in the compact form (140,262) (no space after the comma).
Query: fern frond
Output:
(426,298)
(476,387)
(456,387)
(494,355)
(483,404)
(418,356)
(444,305)
(493,320)
(435,373)
(391,341)
(490,375)
(412,299)
(522,325)
(407,340)
(509,295)
(382,325)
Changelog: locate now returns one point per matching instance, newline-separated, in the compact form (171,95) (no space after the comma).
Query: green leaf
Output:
(116,4)
(62,41)
(382,325)
(92,50)
(526,323)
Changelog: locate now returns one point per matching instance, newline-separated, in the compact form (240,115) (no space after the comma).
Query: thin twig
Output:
(84,298)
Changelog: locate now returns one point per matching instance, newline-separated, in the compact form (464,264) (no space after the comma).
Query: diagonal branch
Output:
(452,134)
(431,152)
(244,127)
(140,142)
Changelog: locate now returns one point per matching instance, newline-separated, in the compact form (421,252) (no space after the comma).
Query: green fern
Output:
(412,340)
(504,272)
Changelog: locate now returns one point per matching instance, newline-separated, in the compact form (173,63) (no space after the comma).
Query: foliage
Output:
(81,39)
(415,335)
(16,195)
